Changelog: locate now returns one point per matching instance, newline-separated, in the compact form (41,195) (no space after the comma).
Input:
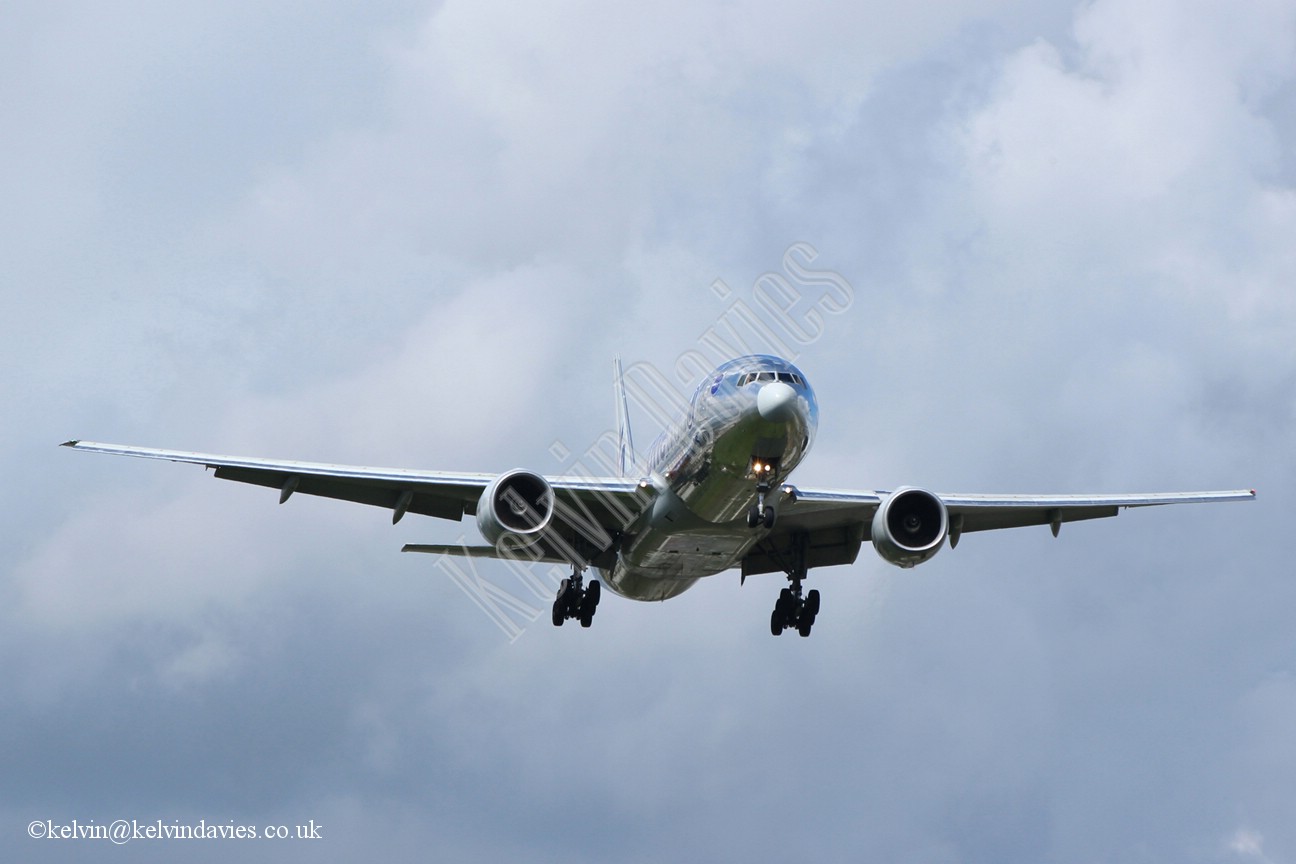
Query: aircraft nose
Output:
(776,402)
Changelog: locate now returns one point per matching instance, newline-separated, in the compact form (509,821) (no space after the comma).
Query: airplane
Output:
(715,494)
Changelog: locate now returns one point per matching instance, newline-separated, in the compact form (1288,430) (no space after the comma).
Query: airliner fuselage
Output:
(748,425)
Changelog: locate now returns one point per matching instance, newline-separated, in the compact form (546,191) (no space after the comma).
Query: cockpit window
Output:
(761,377)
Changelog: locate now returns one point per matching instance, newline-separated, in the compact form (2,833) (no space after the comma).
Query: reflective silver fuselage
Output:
(705,469)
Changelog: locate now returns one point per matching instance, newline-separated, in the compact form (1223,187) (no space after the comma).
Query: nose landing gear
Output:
(576,601)
(761,513)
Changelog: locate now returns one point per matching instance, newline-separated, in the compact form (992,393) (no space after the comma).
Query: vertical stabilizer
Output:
(625,444)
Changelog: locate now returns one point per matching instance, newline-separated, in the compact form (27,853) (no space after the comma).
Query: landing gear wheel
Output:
(786,603)
(804,627)
(576,601)
(812,602)
(753,517)
(776,623)
(768,518)
(589,603)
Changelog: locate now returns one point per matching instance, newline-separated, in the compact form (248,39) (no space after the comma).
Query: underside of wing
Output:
(582,505)
(987,512)
(829,526)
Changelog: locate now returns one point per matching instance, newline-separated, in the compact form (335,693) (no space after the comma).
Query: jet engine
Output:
(517,502)
(910,526)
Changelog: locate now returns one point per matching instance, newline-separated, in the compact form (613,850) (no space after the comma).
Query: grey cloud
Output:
(415,235)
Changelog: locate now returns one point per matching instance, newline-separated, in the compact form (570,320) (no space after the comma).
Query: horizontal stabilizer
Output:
(529,555)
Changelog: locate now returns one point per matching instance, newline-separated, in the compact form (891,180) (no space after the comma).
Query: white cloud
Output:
(1246,843)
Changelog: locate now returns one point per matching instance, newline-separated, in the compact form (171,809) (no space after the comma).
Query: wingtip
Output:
(74,442)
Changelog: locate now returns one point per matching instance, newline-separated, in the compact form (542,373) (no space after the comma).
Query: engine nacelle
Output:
(517,502)
(910,526)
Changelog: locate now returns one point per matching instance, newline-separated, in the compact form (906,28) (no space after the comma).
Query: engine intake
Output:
(910,526)
(517,502)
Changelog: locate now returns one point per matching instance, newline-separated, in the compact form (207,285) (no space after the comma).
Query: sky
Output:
(412,234)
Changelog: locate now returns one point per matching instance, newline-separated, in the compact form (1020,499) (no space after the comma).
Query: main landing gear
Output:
(794,610)
(576,601)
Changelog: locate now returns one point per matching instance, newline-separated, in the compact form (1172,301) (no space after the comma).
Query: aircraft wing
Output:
(443,494)
(836,522)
